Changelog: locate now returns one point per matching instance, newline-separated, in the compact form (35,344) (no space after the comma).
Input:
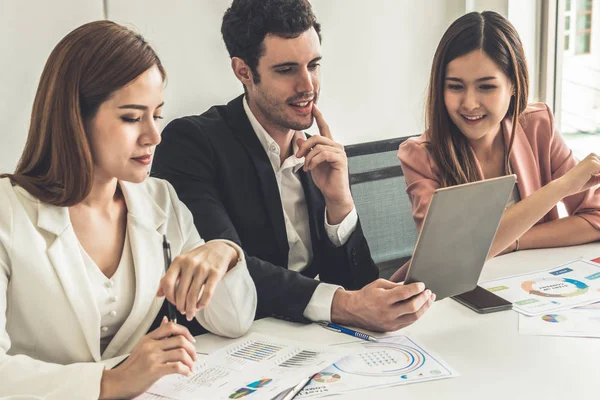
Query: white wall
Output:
(525,15)
(29,30)
(377,58)
(187,37)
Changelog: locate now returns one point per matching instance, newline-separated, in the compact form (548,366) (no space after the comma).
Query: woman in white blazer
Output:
(82,273)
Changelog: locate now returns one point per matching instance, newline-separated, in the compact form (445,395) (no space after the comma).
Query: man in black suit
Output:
(249,173)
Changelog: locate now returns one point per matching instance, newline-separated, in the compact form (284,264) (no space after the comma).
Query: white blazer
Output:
(49,321)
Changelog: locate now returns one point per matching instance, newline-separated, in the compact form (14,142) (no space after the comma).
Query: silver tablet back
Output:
(457,234)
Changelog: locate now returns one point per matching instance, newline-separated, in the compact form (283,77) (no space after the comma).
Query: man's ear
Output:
(242,71)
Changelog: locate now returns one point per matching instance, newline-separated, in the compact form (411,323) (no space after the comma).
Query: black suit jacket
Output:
(222,173)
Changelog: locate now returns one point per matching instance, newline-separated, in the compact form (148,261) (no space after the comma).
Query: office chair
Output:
(378,189)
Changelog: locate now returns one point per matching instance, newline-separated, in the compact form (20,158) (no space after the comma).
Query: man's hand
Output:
(327,162)
(400,274)
(381,306)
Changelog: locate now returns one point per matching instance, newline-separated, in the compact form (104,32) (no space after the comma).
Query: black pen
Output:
(171,311)
(172,314)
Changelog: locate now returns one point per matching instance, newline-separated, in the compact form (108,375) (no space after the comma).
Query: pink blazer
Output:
(539,155)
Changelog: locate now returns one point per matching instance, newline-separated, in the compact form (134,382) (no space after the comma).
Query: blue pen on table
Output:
(347,331)
(172,313)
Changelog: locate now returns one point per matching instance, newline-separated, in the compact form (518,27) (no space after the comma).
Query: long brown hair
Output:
(85,68)
(499,40)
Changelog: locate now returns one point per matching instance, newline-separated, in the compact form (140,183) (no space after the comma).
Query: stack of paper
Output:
(555,302)
(545,292)
(259,365)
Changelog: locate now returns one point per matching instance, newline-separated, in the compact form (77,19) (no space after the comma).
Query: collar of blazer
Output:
(145,220)
(240,126)
(522,160)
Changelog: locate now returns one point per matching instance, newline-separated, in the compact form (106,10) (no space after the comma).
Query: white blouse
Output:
(113,296)
(53,305)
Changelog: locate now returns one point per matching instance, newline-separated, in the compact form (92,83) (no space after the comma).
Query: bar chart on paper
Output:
(257,367)
(256,351)
(301,359)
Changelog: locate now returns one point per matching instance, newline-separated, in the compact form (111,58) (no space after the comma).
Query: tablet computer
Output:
(457,233)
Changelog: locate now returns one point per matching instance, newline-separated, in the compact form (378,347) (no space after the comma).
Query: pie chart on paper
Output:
(326,377)
(554,318)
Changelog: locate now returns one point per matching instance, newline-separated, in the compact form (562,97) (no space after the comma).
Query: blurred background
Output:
(376,59)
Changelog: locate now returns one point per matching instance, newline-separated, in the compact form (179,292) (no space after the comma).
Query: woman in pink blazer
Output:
(479,126)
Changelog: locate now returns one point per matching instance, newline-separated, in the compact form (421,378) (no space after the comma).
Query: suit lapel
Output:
(241,128)
(522,160)
(145,222)
(65,255)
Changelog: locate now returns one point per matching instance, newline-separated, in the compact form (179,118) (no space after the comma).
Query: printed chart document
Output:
(544,292)
(393,360)
(257,365)
(582,321)
(150,396)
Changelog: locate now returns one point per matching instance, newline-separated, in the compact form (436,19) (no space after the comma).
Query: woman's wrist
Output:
(235,253)
(562,185)
(109,385)
(235,257)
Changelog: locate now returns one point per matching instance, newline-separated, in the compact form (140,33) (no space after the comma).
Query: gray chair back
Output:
(379,193)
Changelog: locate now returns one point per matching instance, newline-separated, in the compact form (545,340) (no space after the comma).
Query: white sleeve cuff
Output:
(339,234)
(232,308)
(319,306)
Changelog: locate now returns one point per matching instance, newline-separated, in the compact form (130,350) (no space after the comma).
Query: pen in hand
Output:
(171,311)
(347,331)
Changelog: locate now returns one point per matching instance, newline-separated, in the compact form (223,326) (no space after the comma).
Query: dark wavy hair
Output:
(499,40)
(247,22)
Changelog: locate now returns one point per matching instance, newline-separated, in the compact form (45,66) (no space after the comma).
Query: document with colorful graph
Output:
(544,292)
(257,367)
(582,321)
(393,360)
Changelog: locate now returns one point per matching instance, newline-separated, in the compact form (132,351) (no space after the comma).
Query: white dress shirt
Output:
(295,215)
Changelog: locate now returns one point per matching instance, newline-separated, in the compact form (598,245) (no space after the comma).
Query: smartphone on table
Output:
(483,301)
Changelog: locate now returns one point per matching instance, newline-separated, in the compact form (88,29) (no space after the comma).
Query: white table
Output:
(494,361)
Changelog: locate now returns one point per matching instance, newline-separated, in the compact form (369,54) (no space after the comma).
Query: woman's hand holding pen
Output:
(194,273)
(169,349)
